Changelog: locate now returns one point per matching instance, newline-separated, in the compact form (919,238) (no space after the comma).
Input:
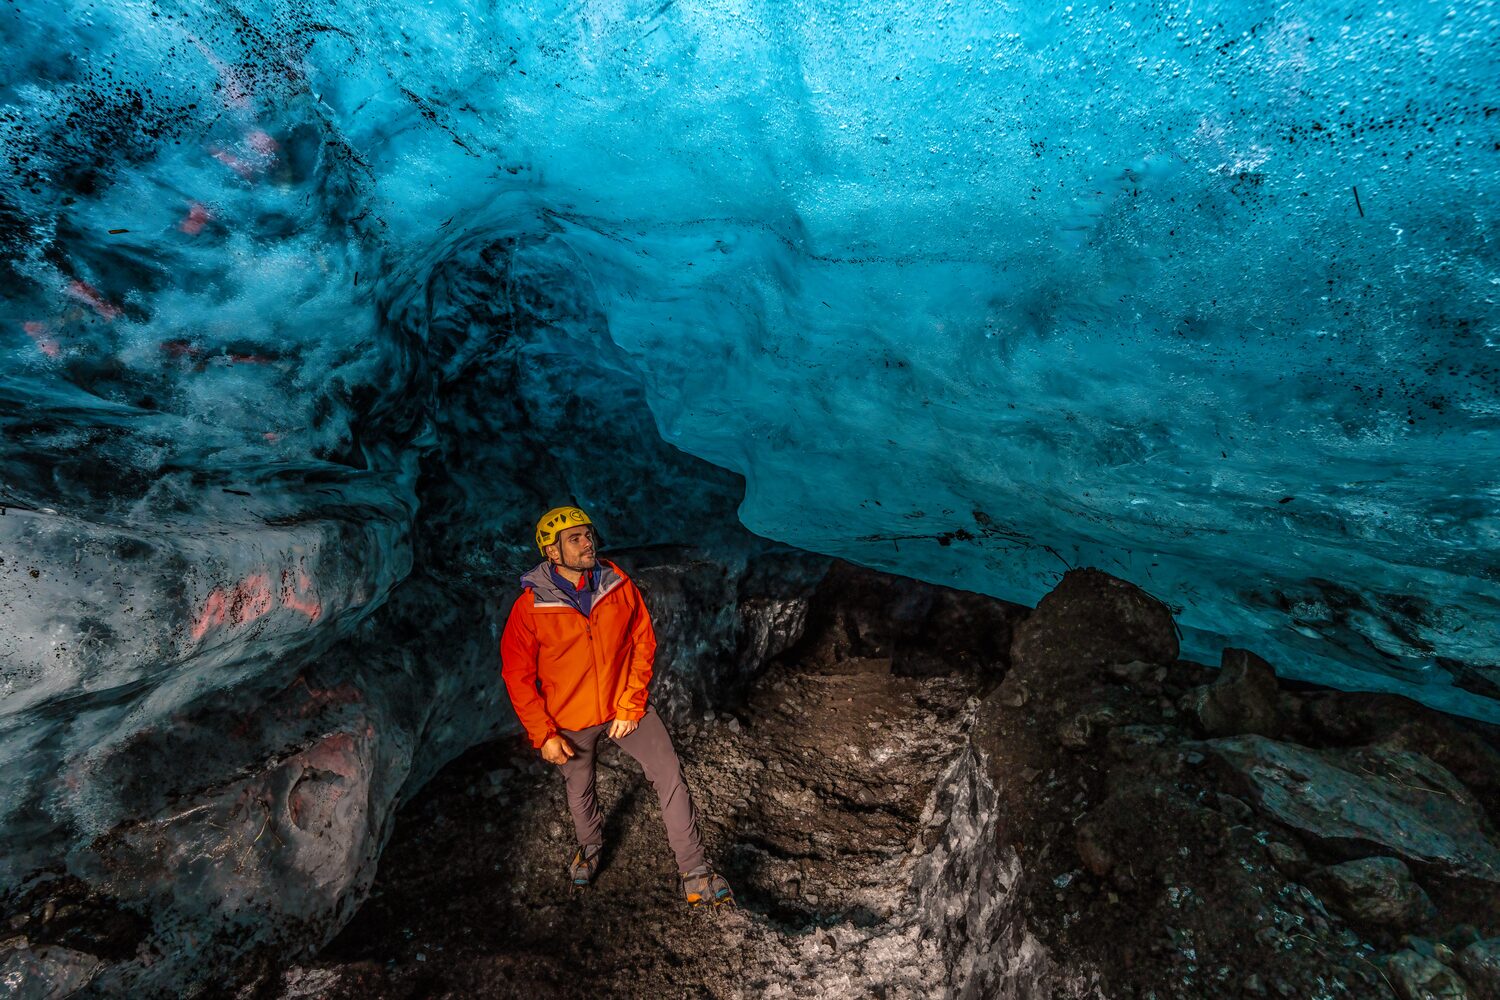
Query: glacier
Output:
(309,309)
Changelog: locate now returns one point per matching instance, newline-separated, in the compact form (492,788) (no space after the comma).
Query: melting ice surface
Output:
(1202,294)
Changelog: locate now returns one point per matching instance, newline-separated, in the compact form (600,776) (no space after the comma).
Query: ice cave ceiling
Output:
(1203,294)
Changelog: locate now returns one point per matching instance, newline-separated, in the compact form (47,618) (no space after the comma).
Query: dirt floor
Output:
(812,803)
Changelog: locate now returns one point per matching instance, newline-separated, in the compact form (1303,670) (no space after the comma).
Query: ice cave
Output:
(1058,446)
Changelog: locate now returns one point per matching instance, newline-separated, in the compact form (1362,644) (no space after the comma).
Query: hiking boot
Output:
(703,885)
(585,863)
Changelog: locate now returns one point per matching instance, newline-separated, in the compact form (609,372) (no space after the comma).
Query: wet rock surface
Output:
(1416,976)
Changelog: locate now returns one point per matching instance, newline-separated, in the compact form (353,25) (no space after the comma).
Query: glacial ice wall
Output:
(1203,294)
(309,308)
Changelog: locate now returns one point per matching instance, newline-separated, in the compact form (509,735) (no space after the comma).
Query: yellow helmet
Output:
(554,521)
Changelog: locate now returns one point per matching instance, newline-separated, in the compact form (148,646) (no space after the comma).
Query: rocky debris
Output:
(1077,731)
(1289,858)
(1371,798)
(1419,977)
(1066,833)
(1243,698)
(1375,891)
(769,626)
(44,972)
(1091,619)
(834,800)
(264,842)
(63,935)
(720,629)
(1138,672)
(1480,965)
(1146,855)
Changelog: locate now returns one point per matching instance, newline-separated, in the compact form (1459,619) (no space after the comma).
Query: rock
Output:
(769,626)
(1373,797)
(1417,977)
(46,972)
(1138,672)
(1093,849)
(1123,741)
(1013,692)
(1375,891)
(923,629)
(1235,810)
(1480,964)
(1289,859)
(1077,731)
(1090,619)
(1243,699)
(1460,936)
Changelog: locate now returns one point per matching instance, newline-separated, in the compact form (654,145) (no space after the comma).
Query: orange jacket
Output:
(565,671)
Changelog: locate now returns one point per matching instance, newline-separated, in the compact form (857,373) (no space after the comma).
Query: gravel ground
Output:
(817,803)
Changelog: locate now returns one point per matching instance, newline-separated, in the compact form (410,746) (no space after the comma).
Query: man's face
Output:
(574,548)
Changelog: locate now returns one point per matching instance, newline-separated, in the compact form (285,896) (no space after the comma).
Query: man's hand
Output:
(557,750)
(622,727)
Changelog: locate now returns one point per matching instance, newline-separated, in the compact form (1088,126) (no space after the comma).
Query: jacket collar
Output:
(545,593)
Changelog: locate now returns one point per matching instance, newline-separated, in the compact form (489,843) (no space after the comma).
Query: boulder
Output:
(1091,619)
(1244,698)
(1370,798)
(1480,964)
(1417,977)
(1375,891)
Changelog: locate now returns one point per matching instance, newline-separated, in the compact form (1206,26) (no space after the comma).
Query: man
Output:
(576,657)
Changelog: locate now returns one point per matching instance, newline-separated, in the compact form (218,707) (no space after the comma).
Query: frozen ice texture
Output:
(1201,295)
(309,309)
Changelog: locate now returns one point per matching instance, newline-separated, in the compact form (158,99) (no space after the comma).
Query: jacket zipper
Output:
(588,631)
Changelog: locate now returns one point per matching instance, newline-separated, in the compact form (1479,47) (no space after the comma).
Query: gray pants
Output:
(652,748)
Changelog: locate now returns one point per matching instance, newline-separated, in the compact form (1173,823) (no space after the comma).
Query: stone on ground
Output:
(1395,800)
(1417,977)
(1375,891)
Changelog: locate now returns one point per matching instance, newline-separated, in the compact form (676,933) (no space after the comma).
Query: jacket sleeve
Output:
(518,652)
(638,667)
